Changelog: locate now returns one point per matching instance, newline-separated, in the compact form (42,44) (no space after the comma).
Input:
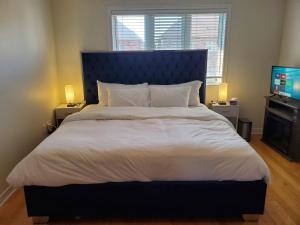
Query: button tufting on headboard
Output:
(153,67)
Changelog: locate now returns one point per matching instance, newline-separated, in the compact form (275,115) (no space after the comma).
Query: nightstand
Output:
(231,112)
(62,111)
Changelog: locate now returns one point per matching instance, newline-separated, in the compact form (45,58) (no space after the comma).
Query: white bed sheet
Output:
(117,144)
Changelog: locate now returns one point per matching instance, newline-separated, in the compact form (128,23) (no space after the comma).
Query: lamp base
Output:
(222,102)
(71,105)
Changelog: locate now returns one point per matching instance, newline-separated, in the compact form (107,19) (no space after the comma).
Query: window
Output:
(162,31)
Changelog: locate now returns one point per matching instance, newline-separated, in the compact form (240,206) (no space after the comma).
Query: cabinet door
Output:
(278,132)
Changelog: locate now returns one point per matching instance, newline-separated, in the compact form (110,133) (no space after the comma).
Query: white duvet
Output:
(116,144)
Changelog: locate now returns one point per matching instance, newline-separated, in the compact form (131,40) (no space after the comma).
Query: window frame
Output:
(224,8)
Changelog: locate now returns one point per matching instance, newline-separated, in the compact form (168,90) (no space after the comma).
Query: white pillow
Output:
(195,85)
(169,96)
(102,90)
(135,96)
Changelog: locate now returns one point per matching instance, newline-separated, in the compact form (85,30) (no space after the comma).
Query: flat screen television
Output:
(285,81)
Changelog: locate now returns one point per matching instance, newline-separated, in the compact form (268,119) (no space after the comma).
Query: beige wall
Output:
(253,45)
(28,81)
(290,46)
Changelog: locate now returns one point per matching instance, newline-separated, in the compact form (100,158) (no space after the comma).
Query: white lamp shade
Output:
(69,91)
(223,92)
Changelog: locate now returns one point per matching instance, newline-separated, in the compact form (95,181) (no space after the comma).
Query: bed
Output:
(206,190)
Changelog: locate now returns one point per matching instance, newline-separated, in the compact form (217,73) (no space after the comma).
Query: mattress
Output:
(118,144)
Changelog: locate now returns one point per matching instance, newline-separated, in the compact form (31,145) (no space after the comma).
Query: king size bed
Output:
(143,161)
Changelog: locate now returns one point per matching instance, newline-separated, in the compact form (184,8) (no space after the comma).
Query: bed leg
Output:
(40,219)
(250,217)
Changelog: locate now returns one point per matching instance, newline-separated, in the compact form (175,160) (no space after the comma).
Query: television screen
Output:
(286,81)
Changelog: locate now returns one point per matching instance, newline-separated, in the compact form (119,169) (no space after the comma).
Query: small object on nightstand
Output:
(63,110)
(231,112)
(234,101)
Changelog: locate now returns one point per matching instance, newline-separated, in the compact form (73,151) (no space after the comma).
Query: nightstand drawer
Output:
(63,113)
(231,112)
(227,111)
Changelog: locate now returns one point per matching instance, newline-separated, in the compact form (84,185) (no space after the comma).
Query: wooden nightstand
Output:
(62,111)
(231,112)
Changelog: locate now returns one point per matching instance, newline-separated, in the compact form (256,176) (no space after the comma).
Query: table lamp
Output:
(222,99)
(69,91)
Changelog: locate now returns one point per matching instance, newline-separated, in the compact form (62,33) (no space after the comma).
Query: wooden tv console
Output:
(282,126)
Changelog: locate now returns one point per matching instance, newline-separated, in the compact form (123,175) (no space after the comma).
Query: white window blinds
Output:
(153,31)
(128,32)
(169,32)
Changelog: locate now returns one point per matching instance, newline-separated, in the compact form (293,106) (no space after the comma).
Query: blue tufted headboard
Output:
(133,67)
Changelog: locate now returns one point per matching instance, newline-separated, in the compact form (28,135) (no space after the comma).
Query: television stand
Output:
(282,126)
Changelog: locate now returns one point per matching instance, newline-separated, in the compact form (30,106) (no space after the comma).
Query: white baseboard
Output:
(6,194)
(257,130)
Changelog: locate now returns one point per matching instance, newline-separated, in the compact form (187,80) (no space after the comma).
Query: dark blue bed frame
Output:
(153,67)
(164,199)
